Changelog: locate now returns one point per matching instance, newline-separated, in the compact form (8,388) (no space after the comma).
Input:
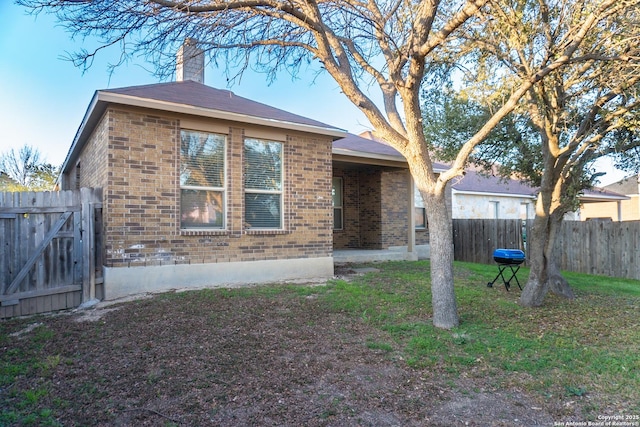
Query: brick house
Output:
(204,188)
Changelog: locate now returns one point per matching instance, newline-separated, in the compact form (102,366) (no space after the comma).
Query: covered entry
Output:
(373,199)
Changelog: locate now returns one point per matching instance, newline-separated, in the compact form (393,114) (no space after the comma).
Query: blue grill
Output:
(507,259)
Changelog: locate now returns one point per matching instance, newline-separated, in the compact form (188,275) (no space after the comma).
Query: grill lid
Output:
(508,256)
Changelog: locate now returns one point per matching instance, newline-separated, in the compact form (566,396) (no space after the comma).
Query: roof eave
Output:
(89,120)
(495,194)
(592,198)
(116,98)
(373,158)
(101,99)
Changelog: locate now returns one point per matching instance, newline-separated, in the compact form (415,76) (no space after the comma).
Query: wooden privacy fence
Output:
(595,247)
(50,246)
(474,240)
(601,247)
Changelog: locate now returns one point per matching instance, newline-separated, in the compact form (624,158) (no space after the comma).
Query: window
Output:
(263,184)
(336,199)
(202,180)
(421,212)
(524,210)
(495,209)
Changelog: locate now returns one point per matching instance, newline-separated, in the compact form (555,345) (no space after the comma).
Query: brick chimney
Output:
(190,62)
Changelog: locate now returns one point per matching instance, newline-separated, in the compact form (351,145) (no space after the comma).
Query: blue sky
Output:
(43,97)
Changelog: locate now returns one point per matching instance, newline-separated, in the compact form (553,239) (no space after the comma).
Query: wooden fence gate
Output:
(50,250)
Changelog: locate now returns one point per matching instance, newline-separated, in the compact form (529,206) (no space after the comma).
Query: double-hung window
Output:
(202,180)
(263,184)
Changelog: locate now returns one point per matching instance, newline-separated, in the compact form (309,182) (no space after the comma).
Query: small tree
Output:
(387,44)
(584,111)
(25,170)
(579,119)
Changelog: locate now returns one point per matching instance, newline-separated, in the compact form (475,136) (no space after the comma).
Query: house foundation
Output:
(126,281)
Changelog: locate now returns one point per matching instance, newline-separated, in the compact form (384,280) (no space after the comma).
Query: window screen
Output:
(202,180)
(263,184)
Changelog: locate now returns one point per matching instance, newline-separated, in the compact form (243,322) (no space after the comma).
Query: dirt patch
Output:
(205,358)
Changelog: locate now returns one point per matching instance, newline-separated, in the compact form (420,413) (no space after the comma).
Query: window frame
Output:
(495,209)
(419,210)
(341,207)
(249,190)
(223,190)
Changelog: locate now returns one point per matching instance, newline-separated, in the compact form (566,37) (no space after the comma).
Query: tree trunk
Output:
(445,309)
(545,274)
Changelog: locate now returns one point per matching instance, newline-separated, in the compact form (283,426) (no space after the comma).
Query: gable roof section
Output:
(189,97)
(628,186)
(204,97)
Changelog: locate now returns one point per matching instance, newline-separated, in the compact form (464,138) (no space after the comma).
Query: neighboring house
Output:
(478,195)
(626,209)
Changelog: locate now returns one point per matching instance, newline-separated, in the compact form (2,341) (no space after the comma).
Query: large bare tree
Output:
(388,45)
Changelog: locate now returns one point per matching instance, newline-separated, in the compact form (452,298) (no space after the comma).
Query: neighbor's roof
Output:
(189,97)
(629,185)
(478,183)
(597,194)
(474,182)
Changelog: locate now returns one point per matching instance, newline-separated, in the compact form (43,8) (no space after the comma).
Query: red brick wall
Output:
(349,236)
(370,209)
(375,209)
(140,180)
(395,218)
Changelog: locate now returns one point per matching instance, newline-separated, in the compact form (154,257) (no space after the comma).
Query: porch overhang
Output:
(344,156)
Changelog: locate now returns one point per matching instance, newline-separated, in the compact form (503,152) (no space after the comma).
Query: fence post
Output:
(88,245)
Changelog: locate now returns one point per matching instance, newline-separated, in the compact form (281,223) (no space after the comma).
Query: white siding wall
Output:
(468,206)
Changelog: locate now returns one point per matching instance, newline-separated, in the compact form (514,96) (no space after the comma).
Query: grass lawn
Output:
(581,358)
(589,346)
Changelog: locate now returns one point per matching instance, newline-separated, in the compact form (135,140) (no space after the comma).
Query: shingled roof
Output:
(193,94)
(192,98)
(476,182)
(627,185)
(367,147)
(480,183)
